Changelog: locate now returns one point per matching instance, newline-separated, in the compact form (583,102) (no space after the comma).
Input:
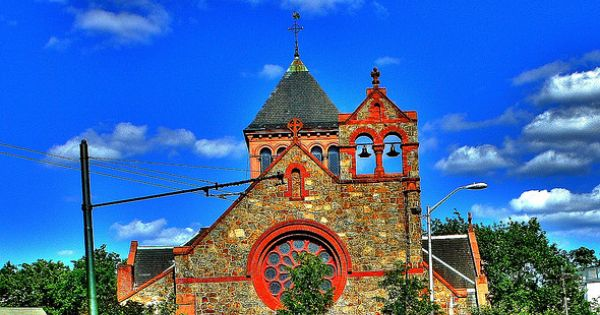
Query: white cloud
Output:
(553,162)
(380,10)
(591,58)
(175,137)
(386,61)
(319,7)
(66,252)
(573,87)
(574,123)
(557,200)
(468,159)
(171,236)
(459,122)
(137,228)
(542,72)
(224,147)
(124,27)
(127,140)
(153,232)
(57,43)
(270,71)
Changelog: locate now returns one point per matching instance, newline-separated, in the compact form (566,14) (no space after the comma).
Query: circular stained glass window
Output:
(283,257)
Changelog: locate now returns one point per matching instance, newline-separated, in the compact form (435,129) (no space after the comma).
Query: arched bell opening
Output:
(365,156)
(392,154)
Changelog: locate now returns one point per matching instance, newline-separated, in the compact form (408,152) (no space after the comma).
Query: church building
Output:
(359,217)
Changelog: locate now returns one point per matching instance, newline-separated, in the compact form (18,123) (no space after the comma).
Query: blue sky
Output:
(507,93)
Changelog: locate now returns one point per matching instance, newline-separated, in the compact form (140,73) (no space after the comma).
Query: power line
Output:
(160,172)
(12,146)
(171,164)
(93,172)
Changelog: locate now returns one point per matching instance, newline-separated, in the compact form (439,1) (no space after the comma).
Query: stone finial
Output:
(294,125)
(375,75)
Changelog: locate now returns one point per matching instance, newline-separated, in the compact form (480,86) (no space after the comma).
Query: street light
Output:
(475,186)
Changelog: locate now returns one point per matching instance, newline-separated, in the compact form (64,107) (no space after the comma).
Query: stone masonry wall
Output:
(368,217)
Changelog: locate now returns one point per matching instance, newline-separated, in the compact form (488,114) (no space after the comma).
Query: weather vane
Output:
(296,28)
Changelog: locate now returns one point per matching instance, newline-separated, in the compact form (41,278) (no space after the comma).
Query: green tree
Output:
(525,271)
(407,295)
(450,226)
(583,257)
(306,296)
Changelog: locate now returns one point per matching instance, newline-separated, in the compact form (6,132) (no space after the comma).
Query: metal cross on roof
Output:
(375,75)
(296,28)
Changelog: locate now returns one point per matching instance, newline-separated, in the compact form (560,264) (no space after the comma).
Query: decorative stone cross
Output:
(375,75)
(294,125)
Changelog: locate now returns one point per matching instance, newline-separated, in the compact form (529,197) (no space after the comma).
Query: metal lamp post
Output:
(474,186)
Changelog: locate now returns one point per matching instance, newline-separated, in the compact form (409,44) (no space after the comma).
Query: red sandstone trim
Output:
(212,280)
(362,274)
(147,283)
(132,251)
(303,175)
(376,94)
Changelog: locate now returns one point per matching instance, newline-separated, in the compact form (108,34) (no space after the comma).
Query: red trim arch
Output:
(391,130)
(308,230)
(367,131)
(303,175)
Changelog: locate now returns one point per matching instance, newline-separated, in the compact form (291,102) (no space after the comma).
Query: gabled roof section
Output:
(454,250)
(150,262)
(376,94)
(298,95)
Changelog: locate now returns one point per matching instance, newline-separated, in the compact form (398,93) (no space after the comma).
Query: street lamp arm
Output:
(430,209)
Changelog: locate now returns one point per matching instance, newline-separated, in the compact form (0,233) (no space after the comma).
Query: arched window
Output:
(317,152)
(333,159)
(392,154)
(280,150)
(276,251)
(265,159)
(296,184)
(365,156)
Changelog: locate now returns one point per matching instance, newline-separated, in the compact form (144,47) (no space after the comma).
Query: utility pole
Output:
(86,206)
(564,289)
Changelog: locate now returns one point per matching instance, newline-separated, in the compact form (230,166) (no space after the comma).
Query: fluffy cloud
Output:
(137,228)
(468,159)
(565,124)
(117,23)
(270,71)
(557,200)
(220,147)
(171,237)
(66,252)
(557,67)
(573,87)
(459,122)
(128,140)
(542,72)
(153,232)
(320,6)
(552,162)
(386,60)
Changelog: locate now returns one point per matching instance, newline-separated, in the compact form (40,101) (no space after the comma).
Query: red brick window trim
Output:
(277,249)
(295,176)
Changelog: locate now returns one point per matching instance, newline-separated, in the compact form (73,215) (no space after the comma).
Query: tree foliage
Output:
(61,290)
(451,225)
(407,295)
(306,296)
(525,271)
(583,257)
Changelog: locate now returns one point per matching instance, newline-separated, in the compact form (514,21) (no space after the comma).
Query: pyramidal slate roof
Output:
(298,95)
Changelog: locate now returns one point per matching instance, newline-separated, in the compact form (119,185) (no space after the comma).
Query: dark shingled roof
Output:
(456,252)
(150,262)
(297,95)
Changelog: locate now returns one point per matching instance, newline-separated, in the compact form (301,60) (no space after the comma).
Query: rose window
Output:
(276,252)
(283,256)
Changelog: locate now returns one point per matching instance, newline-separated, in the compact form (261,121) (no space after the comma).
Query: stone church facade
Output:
(360,223)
